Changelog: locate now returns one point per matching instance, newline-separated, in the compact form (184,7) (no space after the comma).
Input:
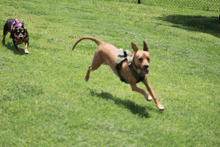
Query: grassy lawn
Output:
(45,101)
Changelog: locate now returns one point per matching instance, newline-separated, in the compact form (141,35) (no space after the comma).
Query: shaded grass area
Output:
(207,5)
(44,100)
(203,24)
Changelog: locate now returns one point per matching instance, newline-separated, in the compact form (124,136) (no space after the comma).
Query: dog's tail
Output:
(88,37)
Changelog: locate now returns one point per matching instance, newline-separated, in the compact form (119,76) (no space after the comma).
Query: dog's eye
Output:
(140,59)
(17,33)
(148,59)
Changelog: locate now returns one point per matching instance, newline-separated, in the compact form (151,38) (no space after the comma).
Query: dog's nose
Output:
(146,66)
(20,36)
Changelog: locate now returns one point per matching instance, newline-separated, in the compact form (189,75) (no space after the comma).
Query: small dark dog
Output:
(18,34)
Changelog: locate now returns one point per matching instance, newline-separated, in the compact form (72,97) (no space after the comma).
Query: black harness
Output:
(127,56)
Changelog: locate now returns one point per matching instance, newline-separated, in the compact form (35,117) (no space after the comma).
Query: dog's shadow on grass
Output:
(134,108)
(11,47)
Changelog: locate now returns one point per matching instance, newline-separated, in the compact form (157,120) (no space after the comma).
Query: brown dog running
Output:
(107,54)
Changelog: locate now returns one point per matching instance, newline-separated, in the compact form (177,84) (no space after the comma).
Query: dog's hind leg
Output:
(5,32)
(96,63)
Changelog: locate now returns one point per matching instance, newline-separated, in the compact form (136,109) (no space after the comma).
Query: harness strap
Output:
(138,76)
(120,76)
(122,56)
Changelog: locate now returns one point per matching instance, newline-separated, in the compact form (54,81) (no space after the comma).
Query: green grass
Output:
(45,101)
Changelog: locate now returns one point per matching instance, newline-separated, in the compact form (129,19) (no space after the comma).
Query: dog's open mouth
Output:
(144,71)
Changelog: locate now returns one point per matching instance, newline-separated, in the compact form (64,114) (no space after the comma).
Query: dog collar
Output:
(137,74)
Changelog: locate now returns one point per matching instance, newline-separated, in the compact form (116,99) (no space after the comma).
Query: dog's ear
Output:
(134,46)
(145,46)
(25,29)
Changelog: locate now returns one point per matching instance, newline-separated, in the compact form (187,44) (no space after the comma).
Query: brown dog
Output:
(107,54)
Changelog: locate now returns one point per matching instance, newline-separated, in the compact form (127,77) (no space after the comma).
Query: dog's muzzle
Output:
(144,69)
(20,36)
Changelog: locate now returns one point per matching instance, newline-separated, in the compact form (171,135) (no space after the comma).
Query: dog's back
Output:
(9,23)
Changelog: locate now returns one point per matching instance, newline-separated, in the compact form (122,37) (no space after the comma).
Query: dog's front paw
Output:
(149,98)
(160,107)
(26,52)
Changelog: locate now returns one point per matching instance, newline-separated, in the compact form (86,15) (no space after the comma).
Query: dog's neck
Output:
(136,71)
(135,67)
